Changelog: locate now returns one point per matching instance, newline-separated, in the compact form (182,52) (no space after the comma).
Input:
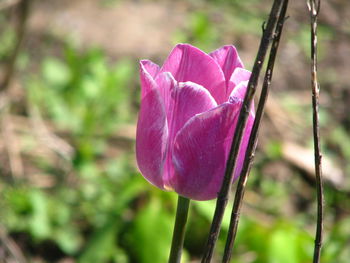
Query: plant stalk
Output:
(314,8)
(179,229)
(242,120)
(249,156)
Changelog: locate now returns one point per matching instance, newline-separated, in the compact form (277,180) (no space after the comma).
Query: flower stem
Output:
(179,229)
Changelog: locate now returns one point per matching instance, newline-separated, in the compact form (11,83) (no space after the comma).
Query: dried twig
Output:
(242,119)
(12,145)
(23,8)
(49,138)
(249,156)
(314,8)
(11,247)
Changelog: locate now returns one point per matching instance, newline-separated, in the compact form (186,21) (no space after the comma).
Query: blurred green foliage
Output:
(77,86)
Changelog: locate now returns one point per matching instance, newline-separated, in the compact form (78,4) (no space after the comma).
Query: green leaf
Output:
(55,72)
(274,149)
(68,239)
(40,223)
(282,247)
(151,234)
(102,245)
(207,209)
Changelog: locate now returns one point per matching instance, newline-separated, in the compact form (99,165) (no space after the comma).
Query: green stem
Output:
(179,229)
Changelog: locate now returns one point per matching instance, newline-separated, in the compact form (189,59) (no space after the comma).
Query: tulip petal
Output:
(166,85)
(182,100)
(238,94)
(148,70)
(244,144)
(228,59)
(201,150)
(239,75)
(150,67)
(188,63)
(151,138)
(187,99)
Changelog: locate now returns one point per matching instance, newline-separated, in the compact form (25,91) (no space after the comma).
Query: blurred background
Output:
(70,190)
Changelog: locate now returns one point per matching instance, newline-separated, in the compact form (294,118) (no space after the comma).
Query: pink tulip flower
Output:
(189,111)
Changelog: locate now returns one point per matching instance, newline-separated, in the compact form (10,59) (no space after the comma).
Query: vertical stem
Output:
(249,156)
(242,119)
(314,7)
(179,229)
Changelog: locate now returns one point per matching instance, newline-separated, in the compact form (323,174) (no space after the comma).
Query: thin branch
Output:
(23,8)
(314,8)
(48,137)
(179,230)
(242,120)
(10,245)
(13,150)
(249,156)
(12,145)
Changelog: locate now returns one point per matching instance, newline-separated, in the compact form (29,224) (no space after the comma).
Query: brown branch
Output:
(23,8)
(314,8)
(249,156)
(10,245)
(12,145)
(48,137)
(242,120)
